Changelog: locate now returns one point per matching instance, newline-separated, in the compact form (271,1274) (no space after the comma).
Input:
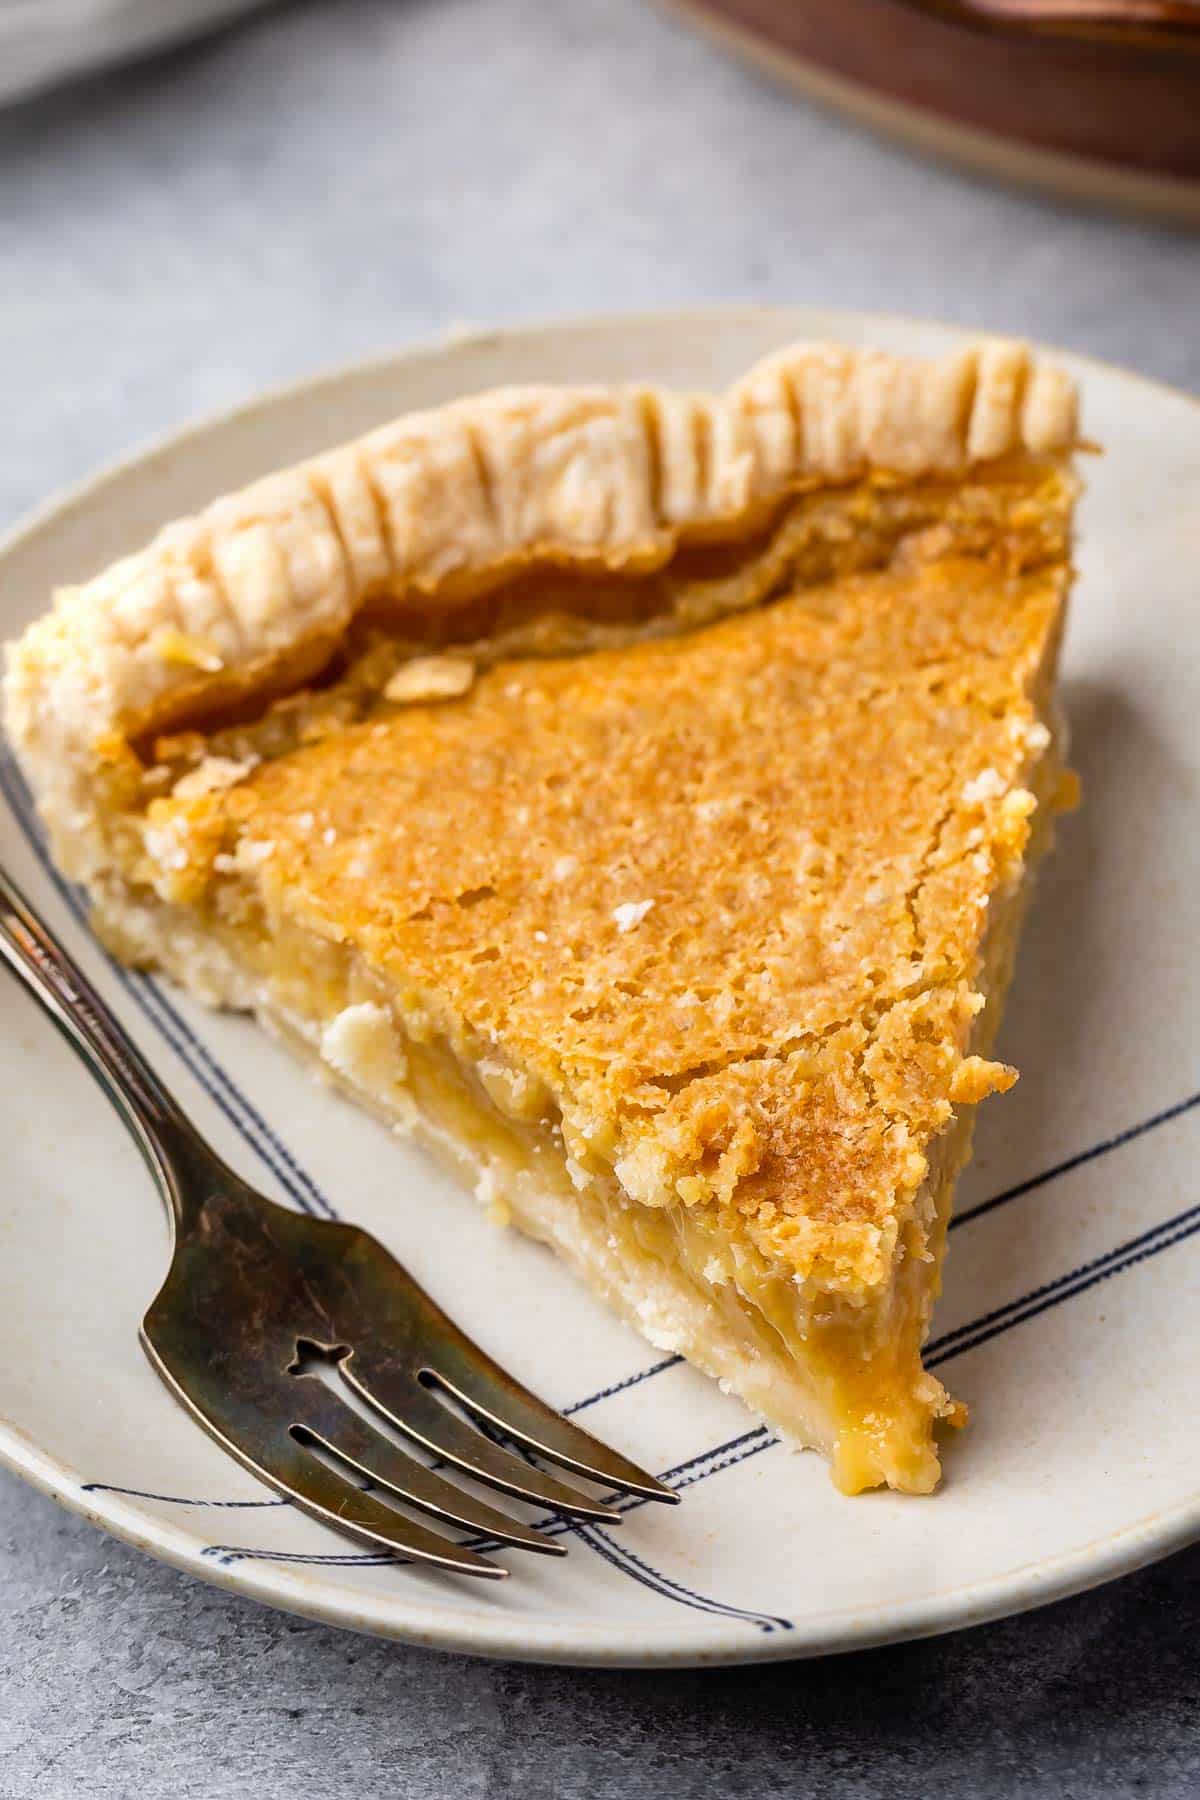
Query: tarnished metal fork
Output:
(257,1298)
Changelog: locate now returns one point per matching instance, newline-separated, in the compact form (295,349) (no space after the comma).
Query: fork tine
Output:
(417,1413)
(461,1369)
(336,1428)
(484,1388)
(338,1503)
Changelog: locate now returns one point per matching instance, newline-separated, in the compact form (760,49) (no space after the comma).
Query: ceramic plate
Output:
(1068,1320)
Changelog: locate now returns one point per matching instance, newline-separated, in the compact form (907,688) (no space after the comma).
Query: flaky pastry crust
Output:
(262,584)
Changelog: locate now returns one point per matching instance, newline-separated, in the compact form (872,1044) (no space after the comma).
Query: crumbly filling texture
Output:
(711,904)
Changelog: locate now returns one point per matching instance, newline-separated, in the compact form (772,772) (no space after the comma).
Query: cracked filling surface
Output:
(714,904)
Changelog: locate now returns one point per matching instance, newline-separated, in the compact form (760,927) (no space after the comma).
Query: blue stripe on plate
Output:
(157,1008)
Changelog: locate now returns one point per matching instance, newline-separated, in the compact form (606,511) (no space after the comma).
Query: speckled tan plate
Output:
(1074,1281)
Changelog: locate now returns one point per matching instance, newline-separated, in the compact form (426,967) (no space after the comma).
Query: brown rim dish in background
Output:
(1094,100)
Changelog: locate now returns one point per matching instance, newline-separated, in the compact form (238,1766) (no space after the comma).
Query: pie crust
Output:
(636,794)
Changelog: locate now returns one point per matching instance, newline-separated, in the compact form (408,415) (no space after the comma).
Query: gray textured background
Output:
(335,179)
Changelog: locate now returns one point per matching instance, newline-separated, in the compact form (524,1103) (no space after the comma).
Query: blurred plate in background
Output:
(43,42)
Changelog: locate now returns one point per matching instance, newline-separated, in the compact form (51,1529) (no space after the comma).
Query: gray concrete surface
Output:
(331,180)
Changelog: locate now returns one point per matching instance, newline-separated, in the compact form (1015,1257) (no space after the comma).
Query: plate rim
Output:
(834,1632)
(446,1626)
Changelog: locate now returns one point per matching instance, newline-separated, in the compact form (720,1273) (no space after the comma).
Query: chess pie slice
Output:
(634,793)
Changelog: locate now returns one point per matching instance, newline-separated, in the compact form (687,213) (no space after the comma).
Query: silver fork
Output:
(265,1313)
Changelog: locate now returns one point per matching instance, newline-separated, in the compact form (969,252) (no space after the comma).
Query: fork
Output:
(265,1314)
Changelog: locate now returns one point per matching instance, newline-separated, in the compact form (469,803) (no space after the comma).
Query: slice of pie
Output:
(637,794)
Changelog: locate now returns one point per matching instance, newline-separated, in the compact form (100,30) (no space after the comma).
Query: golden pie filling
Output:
(701,920)
(676,904)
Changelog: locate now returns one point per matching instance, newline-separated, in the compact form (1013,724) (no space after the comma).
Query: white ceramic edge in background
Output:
(444,1626)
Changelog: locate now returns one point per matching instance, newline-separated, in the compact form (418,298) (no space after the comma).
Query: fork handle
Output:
(169,1143)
